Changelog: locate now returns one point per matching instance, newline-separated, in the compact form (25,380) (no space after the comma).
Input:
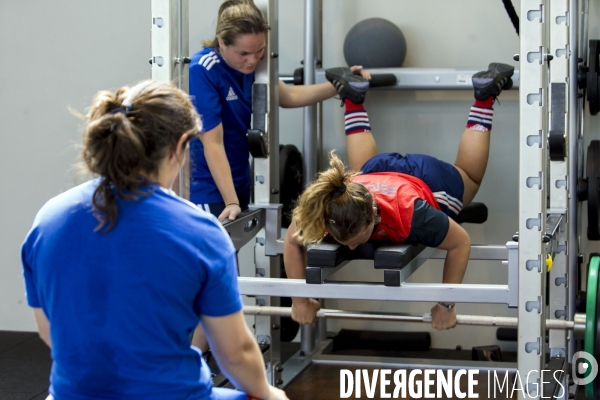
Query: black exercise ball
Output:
(375,43)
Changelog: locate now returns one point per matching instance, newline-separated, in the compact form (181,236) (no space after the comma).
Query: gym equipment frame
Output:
(551,131)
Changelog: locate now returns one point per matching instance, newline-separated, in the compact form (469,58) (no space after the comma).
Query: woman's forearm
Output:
(220,171)
(304,95)
(455,264)
(237,353)
(294,257)
(247,371)
(458,245)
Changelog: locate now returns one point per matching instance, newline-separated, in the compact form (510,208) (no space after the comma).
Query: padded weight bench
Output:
(327,257)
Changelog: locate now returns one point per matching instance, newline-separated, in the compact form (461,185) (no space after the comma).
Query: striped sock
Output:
(480,117)
(356,118)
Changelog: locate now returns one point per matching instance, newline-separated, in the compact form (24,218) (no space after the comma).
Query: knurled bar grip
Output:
(259,106)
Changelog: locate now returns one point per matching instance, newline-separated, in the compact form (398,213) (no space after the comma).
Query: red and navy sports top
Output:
(408,209)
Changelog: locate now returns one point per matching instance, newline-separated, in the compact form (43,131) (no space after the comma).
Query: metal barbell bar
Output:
(578,325)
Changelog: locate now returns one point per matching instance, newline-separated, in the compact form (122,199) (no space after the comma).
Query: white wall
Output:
(54,54)
(58,54)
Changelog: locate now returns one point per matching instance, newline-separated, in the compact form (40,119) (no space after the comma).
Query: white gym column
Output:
(170,49)
(266,189)
(533,131)
(558,183)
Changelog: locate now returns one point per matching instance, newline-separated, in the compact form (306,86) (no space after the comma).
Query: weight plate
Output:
(289,327)
(593,188)
(592,92)
(556,146)
(290,180)
(257,142)
(592,77)
(590,314)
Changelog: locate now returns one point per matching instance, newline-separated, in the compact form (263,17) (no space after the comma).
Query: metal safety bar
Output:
(245,227)
(418,292)
(417,78)
(426,78)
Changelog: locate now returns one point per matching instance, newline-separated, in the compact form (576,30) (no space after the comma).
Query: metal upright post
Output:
(309,148)
(321,333)
(183,43)
(533,95)
(266,170)
(319,64)
(170,46)
(266,187)
(583,33)
(559,112)
(573,132)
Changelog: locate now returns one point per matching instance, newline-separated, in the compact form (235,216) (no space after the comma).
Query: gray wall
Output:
(58,54)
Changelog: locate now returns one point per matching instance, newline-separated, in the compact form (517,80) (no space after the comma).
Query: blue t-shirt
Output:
(221,95)
(122,305)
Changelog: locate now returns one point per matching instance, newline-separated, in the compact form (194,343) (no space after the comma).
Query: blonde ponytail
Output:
(333,204)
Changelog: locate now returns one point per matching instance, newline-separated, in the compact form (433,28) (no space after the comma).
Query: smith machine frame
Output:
(550,116)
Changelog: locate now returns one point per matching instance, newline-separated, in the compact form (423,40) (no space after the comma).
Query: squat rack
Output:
(548,103)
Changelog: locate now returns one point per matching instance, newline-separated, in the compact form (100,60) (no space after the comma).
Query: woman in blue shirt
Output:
(119,270)
(221,77)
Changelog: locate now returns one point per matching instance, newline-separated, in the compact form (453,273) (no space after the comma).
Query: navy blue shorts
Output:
(442,178)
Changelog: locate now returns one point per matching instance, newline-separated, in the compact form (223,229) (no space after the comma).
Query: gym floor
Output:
(25,367)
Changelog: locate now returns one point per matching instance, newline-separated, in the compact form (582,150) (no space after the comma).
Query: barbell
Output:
(578,325)
(583,325)
(587,324)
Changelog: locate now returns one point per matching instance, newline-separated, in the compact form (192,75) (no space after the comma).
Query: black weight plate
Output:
(592,77)
(290,180)
(556,146)
(593,187)
(289,327)
(257,144)
(592,92)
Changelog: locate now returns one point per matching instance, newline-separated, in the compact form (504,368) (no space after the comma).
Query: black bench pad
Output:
(474,213)
(385,255)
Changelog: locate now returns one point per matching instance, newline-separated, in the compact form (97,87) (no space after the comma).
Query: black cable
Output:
(512,14)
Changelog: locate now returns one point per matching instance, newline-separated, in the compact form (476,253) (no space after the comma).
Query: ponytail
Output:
(333,204)
(128,134)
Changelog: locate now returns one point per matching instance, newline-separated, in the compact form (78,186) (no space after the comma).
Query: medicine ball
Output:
(375,43)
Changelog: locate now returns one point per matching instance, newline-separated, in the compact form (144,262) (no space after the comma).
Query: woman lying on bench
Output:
(392,197)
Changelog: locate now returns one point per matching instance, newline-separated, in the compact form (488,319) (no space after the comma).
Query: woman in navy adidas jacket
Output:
(221,78)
